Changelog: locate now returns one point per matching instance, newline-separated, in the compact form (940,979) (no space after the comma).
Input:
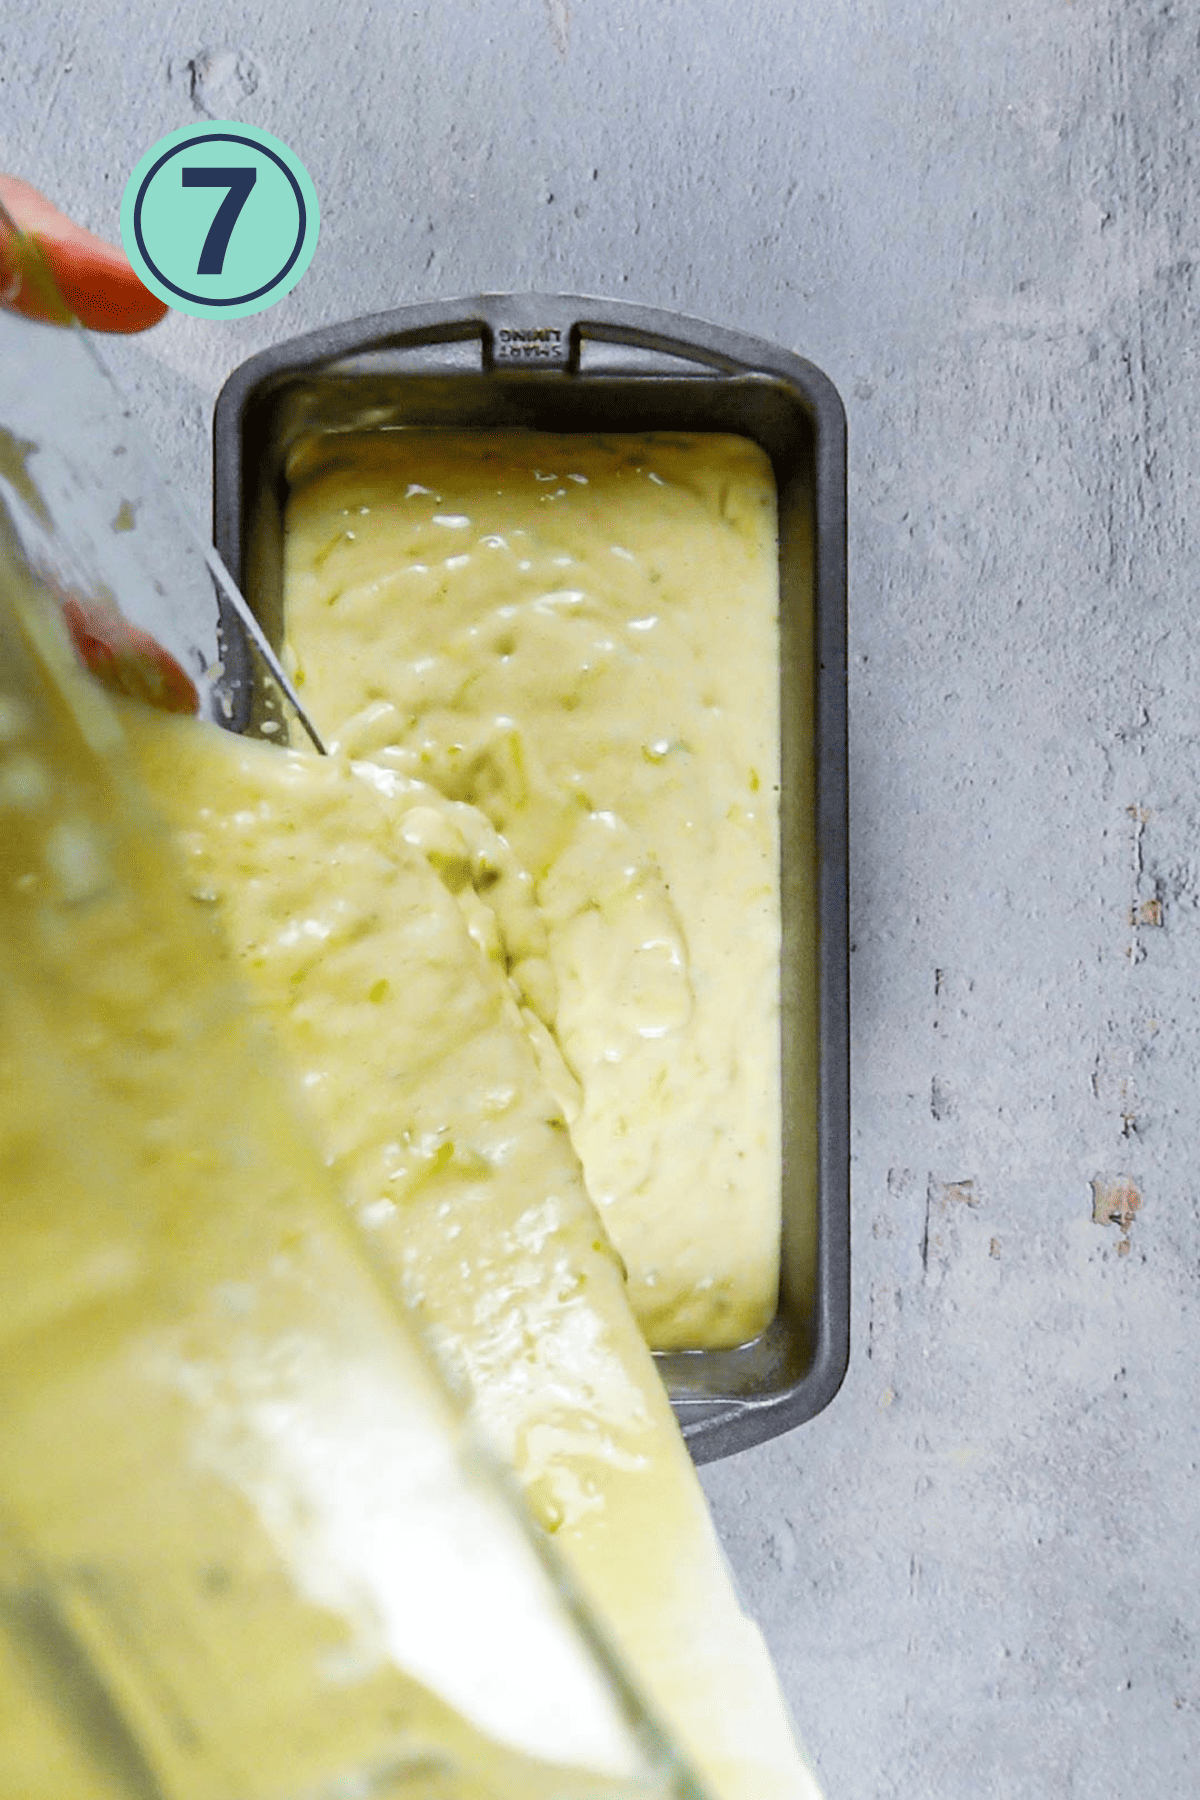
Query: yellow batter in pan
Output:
(579,638)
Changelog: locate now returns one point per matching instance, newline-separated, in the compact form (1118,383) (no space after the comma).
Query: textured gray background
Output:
(978,1569)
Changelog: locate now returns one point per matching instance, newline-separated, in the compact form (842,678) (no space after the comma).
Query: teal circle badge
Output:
(220,219)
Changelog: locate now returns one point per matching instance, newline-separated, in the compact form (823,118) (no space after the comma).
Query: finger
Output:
(126,659)
(95,280)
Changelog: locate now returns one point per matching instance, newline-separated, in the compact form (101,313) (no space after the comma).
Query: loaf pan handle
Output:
(529,331)
(550,333)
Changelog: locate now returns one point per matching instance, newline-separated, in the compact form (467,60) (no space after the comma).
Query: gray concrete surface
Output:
(978,1570)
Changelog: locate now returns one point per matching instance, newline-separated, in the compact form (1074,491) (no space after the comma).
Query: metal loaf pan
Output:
(564,363)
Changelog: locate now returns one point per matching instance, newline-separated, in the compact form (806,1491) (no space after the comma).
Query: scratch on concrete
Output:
(559,17)
(899,1183)
(782,1547)
(49,103)
(945,1202)
(218,82)
(1113,1085)
(941,1101)
(1128,173)
(903,1200)
(1116,1200)
(1138,815)
(883,1326)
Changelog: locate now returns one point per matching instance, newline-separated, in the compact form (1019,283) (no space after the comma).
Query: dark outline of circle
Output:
(217,137)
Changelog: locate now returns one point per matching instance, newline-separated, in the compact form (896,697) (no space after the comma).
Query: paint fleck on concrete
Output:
(1116,1200)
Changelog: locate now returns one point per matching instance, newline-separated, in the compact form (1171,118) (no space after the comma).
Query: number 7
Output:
(239,182)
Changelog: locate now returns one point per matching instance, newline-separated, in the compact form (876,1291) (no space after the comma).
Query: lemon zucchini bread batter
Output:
(579,637)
